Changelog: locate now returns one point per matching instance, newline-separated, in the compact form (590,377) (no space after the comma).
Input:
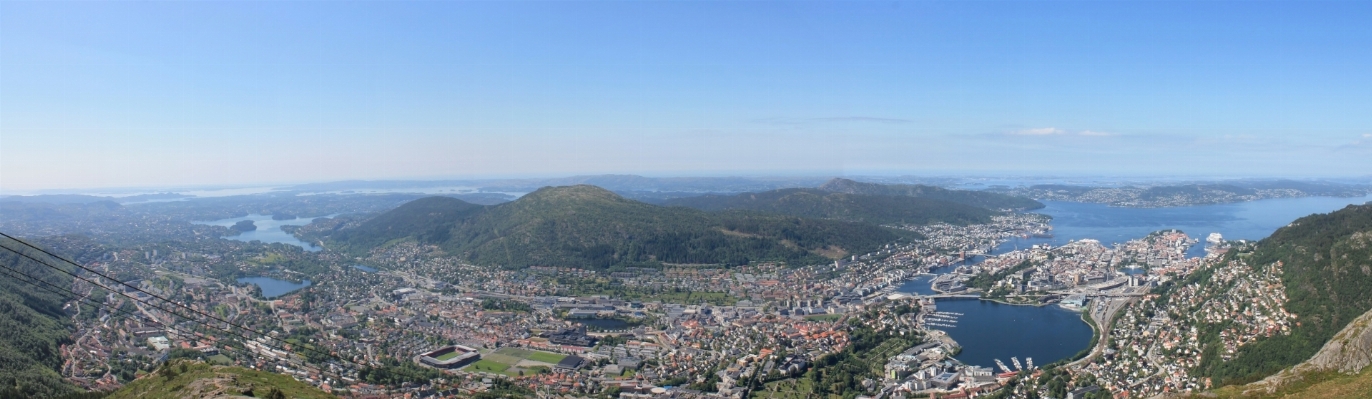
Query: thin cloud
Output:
(834,119)
(864,119)
(1053,131)
(1043,131)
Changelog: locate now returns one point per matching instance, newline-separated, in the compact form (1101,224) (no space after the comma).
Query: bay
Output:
(268,230)
(989,330)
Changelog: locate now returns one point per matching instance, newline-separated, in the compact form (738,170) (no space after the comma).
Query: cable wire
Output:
(176,314)
(202,324)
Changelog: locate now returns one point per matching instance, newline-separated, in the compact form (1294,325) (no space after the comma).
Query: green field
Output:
(447,356)
(550,358)
(488,366)
(503,361)
(525,354)
(795,388)
(516,352)
(824,317)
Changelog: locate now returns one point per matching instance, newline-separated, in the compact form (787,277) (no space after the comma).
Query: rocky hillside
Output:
(1348,353)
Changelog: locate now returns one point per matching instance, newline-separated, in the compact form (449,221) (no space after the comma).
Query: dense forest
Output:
(33,327)
(1327,271)
(819,204)
(585,226)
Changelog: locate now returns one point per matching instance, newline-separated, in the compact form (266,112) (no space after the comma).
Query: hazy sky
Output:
(108,94)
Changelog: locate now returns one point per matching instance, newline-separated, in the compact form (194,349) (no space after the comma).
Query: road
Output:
(1103,311)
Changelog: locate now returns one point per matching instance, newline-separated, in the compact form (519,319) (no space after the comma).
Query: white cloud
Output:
(1043,131)
(1095,133)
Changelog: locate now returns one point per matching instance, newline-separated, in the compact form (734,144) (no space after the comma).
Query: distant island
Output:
(1186,194)
(243,226)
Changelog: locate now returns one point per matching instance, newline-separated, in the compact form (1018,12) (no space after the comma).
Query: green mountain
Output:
(980,199)
(193,380)
(586,226)
(33,327)
(1327,272)
(864,208)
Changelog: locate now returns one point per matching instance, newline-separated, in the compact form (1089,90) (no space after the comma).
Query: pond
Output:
(272,288)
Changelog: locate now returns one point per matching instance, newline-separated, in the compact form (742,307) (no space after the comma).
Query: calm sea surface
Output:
(268,230)
(988,330)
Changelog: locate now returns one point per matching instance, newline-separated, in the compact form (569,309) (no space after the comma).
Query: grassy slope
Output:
(200,380)
(1329,385)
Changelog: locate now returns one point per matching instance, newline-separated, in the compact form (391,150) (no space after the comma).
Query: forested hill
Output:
(820,204)
(980,199)
(586,226)
(1327,272)
(33,327)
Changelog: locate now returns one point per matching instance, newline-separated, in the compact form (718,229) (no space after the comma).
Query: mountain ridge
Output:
(862,208)
(983,199)
(588,226)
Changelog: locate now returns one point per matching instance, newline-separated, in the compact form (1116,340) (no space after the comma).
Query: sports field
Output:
(513,361)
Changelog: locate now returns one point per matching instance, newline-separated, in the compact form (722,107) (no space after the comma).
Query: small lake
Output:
(367,269)
(268,230)
(272,288)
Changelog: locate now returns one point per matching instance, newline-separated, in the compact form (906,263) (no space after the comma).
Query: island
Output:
(243,226)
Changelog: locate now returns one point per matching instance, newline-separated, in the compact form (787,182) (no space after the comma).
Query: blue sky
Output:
(117,94)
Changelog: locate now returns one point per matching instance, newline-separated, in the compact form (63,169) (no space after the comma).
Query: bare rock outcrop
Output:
(1348,352)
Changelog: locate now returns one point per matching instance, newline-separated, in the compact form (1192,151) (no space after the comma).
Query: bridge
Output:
(937,296)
